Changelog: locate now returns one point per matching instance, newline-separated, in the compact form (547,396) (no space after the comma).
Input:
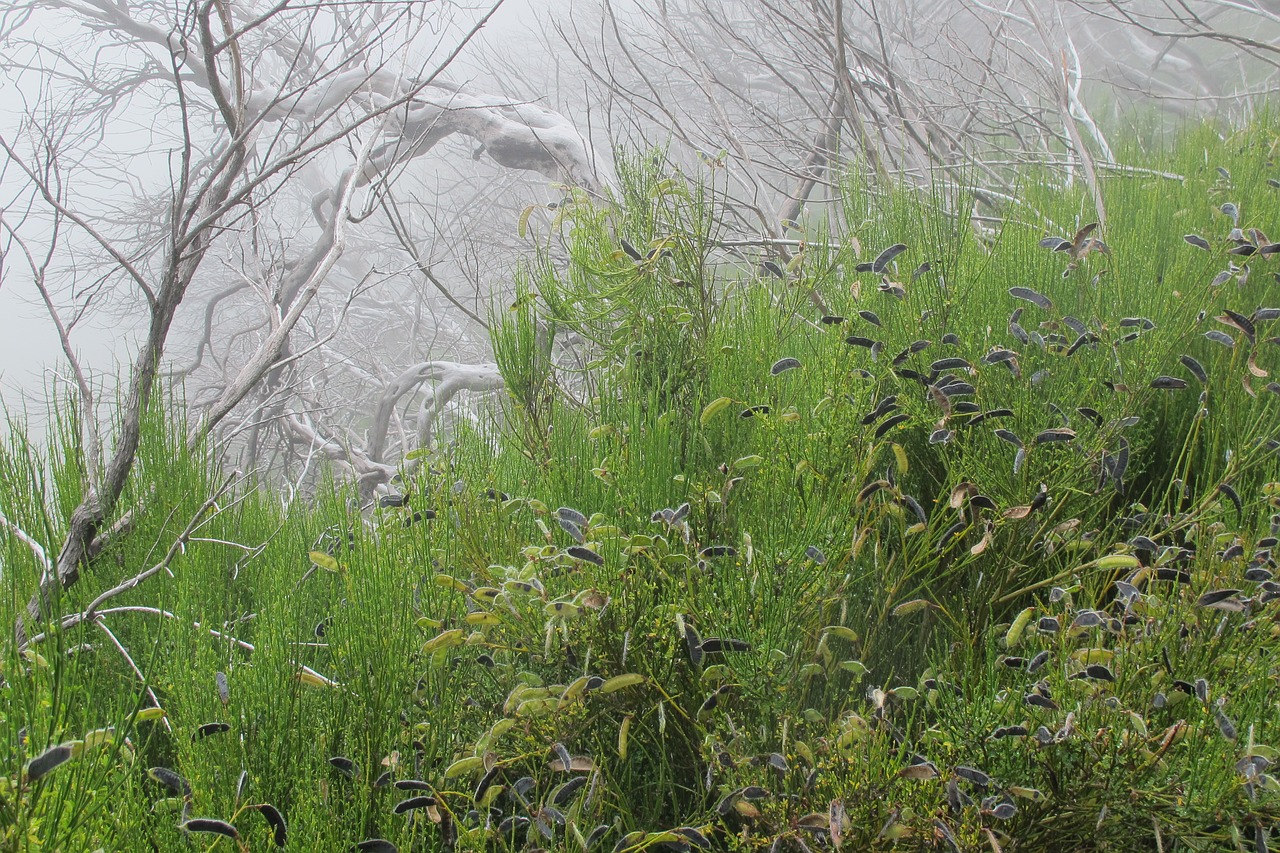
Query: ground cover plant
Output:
(936,537)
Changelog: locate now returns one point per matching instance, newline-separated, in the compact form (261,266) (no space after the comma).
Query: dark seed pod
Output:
(1142,322)
(1086,338)
(1226,489)
(774,269)
(859,341)
(486,782)
(1197,241)
(574,531)
(596,834)
(1006,435)
(170,780)
(1168,383)
(1074,324)
(1004,811)
(777,762)
(950,534)
(940,436)
(1091,414)
(951,363)
(1220,337)
(883,408)
(813,553)
(563,793)
(1098,672)
(782,365)
(392,501)
(412,804)
(1055,435)
(413,785)
(48,761)
(914,505)
(1225,725)
(890,424)
(384,778)
(212,826)
(345,766)
(631,250)
(279,831)
(883,259)
(1035,700)
(1216,596)
(1039,300)
(1195,367)
(571,515)
(870,317)
(970,774)
(1086,619)
(210,729)
(865,493)
(752,411)
(1242,323)
(1175,575)
(990,414)
(713,645)
(586,555)
(692,837)
(224,689)
(718,551)
(832,320)
(1048,625)
(693,643)
(377,845)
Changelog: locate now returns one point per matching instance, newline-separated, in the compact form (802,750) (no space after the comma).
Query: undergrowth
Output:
(971,549)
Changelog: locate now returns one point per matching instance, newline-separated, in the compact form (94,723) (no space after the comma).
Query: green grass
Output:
(469,649)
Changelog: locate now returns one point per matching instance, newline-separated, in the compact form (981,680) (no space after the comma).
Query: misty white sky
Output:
(29,347)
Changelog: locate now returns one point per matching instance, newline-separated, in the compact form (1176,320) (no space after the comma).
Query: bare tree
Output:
(159,171)
(789,93)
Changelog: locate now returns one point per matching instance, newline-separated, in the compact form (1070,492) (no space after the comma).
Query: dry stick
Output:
(1077,141)
(155,703)
(178,544)
(78,618)
(22,536)
(1064,107)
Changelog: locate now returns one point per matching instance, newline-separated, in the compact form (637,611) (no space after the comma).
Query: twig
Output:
(129,660)
(90,613)
(36,548)
(77,618)
(174,550)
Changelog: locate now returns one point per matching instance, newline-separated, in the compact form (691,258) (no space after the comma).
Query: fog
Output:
(291,318)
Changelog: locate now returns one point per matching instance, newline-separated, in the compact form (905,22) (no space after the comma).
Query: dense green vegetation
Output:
(750,604)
